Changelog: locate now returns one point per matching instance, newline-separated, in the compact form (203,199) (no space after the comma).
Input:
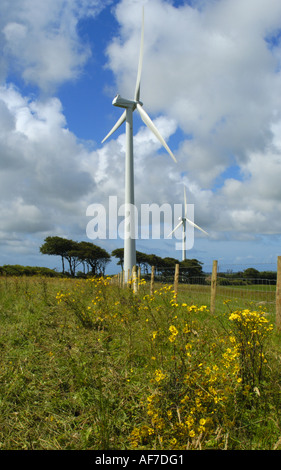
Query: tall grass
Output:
(87,365)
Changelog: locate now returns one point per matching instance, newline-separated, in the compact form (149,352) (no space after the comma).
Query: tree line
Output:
(94,259)
(248,276)
(163,266)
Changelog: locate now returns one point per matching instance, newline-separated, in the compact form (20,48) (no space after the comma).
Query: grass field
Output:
(88,365)
(241,296)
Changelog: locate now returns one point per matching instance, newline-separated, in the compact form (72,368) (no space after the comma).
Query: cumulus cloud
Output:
(40,164)
(211,69)
(214,68)
(42,43)
(48,177)
(211,75)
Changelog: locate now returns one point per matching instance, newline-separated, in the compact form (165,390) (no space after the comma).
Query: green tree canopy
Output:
(192,267)
(57,246)
(94,256)
(143,261)
(119,253)
(251,273)
(76,253)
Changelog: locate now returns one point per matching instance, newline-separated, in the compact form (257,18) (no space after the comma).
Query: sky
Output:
(211,82)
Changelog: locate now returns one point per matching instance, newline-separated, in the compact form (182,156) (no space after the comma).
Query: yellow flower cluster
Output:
(91,313)
(159,375)
(256,321)
(191,395)
(62,297)
(183,423)
(250,330)
(174,333)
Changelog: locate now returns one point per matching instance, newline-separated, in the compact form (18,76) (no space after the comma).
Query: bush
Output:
(18,270)
(201,385)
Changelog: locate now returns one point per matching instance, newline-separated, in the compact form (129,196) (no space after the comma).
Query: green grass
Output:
(83,364)
(250,296)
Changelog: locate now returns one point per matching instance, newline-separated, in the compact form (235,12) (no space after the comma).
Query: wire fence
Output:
(236,285)
(245,286)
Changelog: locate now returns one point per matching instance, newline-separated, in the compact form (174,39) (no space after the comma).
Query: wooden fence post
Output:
(213,286)
(278,295)
(176,280)
(152,280)
(134,279)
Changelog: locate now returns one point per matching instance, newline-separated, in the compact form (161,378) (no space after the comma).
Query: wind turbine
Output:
(130,106)
(183,221)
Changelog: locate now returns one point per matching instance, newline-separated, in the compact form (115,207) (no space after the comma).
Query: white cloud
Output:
(42,43)
(209,69)
(214,71)
(40,165)
(48,177)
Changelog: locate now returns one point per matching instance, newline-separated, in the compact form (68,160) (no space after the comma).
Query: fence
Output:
(215,288)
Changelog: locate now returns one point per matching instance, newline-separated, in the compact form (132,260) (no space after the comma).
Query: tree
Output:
(72,256)
(76,253)
(167,266)
(119,253)
(192,267)
(143,261)
(251,274)
(154,260)
(57,246)
(95,257)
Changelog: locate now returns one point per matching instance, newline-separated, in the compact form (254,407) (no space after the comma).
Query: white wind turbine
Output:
(130,106)
(183,221)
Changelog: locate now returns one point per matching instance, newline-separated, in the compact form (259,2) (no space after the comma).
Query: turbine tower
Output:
(183,221)
(130,106)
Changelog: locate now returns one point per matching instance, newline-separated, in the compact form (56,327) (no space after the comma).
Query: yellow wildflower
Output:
(159,375)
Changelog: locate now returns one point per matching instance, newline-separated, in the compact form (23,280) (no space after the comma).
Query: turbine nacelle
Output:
(184,220)
(124,103)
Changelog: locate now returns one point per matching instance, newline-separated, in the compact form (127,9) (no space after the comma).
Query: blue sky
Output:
(211,82)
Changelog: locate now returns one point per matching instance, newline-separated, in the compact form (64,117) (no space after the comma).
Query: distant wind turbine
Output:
(183,221)
(130,106)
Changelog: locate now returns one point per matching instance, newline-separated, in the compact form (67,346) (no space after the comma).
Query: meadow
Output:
(88,365)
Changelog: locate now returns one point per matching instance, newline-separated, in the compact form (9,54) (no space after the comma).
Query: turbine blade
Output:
(115,127)
(146,119)
(181,222)
(196,226)
(137,91)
